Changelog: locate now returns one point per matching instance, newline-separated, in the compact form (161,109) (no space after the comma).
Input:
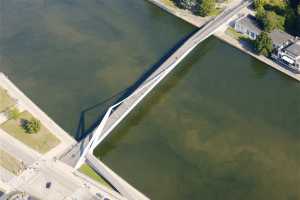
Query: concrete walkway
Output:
(5,175)
(64,183)
(17,148)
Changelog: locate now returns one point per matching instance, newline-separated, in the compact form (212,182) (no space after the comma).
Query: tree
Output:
(31,126)
(272,21)
(185,4)
(298,21)
(290,20)
(263,44)
(260,14)
(294,3)
(205,7)
(259,3)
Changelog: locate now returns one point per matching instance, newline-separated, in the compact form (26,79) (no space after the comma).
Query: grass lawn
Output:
(42,141)
(215,12)
(233,33)
(10,163)
(5,100)
(236,35)
(168,3)
(88,171)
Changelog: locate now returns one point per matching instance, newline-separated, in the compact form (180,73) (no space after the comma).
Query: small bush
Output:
(31,126)
(13,113)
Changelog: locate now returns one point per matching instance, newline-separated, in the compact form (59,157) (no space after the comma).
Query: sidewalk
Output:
(17,148)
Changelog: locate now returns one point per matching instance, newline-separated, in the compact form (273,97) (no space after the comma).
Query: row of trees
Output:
(198,7)
(279,14)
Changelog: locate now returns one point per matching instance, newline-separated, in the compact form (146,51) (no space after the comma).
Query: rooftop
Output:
(294,48)
(280,37)
(251,23)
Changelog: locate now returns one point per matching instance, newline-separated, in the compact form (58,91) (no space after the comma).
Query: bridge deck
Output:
(165,68)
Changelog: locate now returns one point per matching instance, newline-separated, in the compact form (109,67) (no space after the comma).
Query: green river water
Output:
(221,126)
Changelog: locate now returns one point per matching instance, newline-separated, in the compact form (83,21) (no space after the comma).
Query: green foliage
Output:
(281,14)
(274,21)
(259,3)
(270,20)
(260,13)
(186,4)
(197,7)
(206,7)
(31,126)
(13,113)
(263,44)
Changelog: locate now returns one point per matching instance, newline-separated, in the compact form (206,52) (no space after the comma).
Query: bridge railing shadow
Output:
(82,129)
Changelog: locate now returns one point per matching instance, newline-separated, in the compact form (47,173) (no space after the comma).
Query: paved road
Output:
(64,183)
(16,148)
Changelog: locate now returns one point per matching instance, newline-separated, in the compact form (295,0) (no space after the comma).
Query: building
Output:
(286,48)
(248,26)
(290,56)
(281,39)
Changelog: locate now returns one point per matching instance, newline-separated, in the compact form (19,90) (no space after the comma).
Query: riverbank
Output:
(231,41)
(220,34)
(26,104)
(182,14)
(25,168)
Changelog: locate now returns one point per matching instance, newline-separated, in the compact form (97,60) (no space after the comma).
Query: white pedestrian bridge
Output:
(83,150)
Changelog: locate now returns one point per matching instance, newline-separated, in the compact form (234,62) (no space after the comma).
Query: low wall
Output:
(121,185)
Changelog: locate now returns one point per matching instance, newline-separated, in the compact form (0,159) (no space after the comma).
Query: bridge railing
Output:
(99,134)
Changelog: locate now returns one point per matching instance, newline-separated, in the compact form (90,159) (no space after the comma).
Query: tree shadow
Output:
(83,130)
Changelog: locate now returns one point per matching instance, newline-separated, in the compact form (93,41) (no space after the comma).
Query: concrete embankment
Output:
(121,185)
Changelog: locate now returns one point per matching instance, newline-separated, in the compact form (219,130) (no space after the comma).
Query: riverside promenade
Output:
(23,101)
(68,183)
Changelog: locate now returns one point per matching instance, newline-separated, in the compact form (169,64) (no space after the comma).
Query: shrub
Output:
(31,126)
(206,7)
(13,113)
(185,4)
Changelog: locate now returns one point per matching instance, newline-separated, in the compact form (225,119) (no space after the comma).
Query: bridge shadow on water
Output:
(83,129)
(152,101)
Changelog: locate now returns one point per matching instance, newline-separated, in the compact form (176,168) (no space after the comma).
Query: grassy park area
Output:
(88,171)
(42,141)
(233,33)
(10,163)
(5,100)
